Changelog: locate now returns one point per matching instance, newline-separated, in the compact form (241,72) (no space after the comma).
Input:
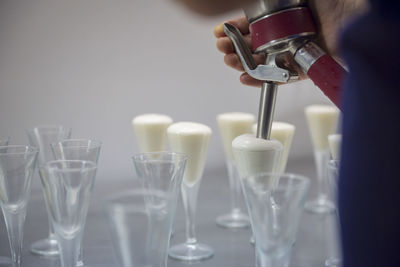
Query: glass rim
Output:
(27,150)
(5,138)
(304,184)
(86,165)
(137,157)
(96,143)
(48,127)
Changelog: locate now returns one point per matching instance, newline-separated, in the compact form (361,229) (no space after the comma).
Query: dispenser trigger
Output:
(269,72)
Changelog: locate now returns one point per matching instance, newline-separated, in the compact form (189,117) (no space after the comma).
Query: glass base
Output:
(45,247)
(191,252)
(5,261)
(233,220)
(320,206)
(333,262)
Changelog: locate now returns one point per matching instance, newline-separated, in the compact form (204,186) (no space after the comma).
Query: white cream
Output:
(282,132)
(335,142)
(192,139)
(254,155)
(150,131)
(322,121)
(231,125)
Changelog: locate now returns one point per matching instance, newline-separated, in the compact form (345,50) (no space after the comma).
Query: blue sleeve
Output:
(369,184)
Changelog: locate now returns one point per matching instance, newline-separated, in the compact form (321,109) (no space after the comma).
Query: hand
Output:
(330,15)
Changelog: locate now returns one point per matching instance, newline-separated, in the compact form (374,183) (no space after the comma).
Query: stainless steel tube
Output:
(266,109)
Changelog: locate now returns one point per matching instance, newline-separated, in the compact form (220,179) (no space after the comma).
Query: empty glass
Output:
(77,149)
(17,165)
(68,185)
(41,137)
(275,203)
(140,227)
(4,260)
(141,220)
(333,175)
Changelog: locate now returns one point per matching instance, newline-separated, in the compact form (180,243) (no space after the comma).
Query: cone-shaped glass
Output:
(17,165)
(231,125)
(4,141)
(193,140)
(141,220)
(41,137)
(322,121)
(68,185)
(275,203)
(77,149)
(333,175)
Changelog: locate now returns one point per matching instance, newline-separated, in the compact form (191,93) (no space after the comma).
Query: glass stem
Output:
(80,261)
(52,235)
(234,184)
(69,250)
(321,161)
(14,223)
(189,197)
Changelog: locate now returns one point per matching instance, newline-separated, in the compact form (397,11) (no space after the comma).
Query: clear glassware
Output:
(231,125)
(141,220)
(193,140)
(322,121)
(41,137)
(68,185)
(236,218)
(333,176)
(275,203)
(322,203)
(17,165)
(77,149)
(4,260)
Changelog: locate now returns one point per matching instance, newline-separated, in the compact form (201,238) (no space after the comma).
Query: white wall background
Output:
(94,64)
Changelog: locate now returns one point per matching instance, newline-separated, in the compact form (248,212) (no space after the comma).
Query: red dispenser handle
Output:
(323,70)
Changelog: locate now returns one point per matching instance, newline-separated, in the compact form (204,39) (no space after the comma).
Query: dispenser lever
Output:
(260,72)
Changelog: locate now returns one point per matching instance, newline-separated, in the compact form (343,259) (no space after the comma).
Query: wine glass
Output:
(41,137)
(68,185)
(191,139)
(17,165)
(77,149)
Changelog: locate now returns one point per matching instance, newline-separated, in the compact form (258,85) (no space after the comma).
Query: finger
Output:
(225,45)
(241,23)
(233,61)
(246,79)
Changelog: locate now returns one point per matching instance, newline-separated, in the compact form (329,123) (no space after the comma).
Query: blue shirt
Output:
(369,184)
